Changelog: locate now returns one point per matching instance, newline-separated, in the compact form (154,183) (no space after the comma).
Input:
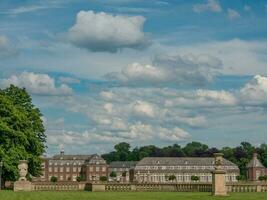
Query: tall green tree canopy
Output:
(22,134)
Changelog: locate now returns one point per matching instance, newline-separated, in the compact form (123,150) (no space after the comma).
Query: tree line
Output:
(240,155)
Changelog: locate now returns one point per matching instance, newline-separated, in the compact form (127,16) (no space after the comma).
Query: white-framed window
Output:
(50,169)
(61,169)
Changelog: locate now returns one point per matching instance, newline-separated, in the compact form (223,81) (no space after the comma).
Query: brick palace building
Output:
(69,167)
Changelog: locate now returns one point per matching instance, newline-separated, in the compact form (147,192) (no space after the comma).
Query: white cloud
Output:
(233,14)
(247,8)
(255,91)
(106,32)
(203,98)
(40,84)
(210,5)
(69,80)
(170,69)
(6,47)
(142,108)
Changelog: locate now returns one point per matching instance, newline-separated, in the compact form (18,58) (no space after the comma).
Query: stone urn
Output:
(23,170)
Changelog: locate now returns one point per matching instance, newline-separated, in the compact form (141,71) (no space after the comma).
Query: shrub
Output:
(195,178)
(113,174)
(53,179)
(263,178)
(103,178)
(241,178)
(172,178)
(80,178)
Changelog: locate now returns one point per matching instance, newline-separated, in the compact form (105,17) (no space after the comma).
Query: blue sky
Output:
(145,72)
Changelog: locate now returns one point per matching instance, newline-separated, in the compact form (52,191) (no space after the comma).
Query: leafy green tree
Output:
(195,178)
(172,178)
(113,174)
(22,134)
(53,179)
(195,149)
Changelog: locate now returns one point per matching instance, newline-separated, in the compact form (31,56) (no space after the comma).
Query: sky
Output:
(139,71)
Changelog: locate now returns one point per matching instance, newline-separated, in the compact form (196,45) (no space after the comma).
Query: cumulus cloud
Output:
(210,5)
(6,47)
(255,91)
(203,98)
(142,108)
(170,70)
(247,8)
(106,32)
(39,84)
(233,14)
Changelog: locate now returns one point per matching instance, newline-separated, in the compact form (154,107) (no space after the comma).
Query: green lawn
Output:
(10,195)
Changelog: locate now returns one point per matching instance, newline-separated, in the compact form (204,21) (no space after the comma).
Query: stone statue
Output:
(218,161)
(23,170)
(23,184)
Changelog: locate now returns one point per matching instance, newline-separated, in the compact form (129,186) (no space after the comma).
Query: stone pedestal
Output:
(98,187)
(22,186)
(218,177)
(218,183)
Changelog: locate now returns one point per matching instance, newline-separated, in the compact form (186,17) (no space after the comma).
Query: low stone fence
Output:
(247,187)
(60,186)
(167,187)
(146,187)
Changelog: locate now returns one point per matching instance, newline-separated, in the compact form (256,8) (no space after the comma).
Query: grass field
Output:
(10,195)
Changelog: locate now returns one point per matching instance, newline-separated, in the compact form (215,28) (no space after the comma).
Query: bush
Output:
(113,174)
(80,178)
(53,179)
(241,178)
(103,178)
(195,178)
(172,178)
(263,178)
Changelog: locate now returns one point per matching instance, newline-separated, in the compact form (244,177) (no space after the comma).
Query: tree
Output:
(103,178)
(53,179)
(172,178)
(22,134)
(195,178)
(113,174)
(195,149)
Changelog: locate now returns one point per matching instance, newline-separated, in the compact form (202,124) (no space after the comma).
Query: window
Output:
(91,169)
(61,169)
(61,178)
(103,169)
(67,169)
(55,169)
(97,169)
(74,169)
(50,169)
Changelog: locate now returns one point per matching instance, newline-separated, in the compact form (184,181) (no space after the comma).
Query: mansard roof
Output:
(181,161)
(123,164)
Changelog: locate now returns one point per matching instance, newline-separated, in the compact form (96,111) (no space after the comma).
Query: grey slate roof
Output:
(181,161)
(123,164)
(71,157)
